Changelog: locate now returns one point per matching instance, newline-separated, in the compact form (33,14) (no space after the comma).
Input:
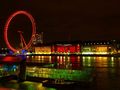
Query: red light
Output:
(72,49)
(10,59)
(60,49)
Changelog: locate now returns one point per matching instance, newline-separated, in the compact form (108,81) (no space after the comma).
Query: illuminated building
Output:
(67,48)
(43,50)
(38,38)
(84,47)
(97,49)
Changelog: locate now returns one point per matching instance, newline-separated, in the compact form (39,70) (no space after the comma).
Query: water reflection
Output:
(6,70)
(76,62)
(106,69)
(75,75)
(75,68)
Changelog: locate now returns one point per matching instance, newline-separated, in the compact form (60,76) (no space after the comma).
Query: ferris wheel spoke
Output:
(22,40)
(24,43)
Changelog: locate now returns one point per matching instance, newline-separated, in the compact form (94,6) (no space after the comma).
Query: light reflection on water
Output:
(76,62)
(107,69)
(73,63)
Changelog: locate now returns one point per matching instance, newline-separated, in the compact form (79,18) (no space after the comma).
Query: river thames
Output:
(104,72)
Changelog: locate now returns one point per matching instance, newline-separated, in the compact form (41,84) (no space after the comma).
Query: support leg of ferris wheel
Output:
(22,40)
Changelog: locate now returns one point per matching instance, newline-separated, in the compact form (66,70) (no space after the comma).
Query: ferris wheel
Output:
(6,28)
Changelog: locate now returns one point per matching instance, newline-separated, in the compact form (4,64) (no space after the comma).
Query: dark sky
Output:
(63,20)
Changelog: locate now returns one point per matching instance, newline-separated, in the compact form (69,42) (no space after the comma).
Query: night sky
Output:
(66,20)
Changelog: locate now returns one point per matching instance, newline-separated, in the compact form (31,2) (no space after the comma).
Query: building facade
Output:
(77,48)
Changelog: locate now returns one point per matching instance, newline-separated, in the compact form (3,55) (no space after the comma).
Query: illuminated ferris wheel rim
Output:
(7,26)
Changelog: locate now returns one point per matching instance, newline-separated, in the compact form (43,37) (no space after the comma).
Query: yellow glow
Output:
(39,57)
(69,58)
(78,57)
(27,56)
(28,53)
(57,57)
(36,52)
(87,53)
(83,58)
(89,58)
(101,52)
(42,57)
(50,58)
(101,49)
(43,50)
(112,63)
(112,58)
(60,57)
(63,57)
(102,61)
(105,58)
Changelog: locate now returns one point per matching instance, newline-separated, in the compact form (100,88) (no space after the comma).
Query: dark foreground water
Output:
(105,69)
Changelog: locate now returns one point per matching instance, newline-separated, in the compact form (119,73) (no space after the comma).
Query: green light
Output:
(65,74)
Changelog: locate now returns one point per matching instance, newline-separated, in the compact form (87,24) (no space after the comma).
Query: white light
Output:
(87,53)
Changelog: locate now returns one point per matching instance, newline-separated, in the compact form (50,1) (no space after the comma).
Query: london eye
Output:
(24,45)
